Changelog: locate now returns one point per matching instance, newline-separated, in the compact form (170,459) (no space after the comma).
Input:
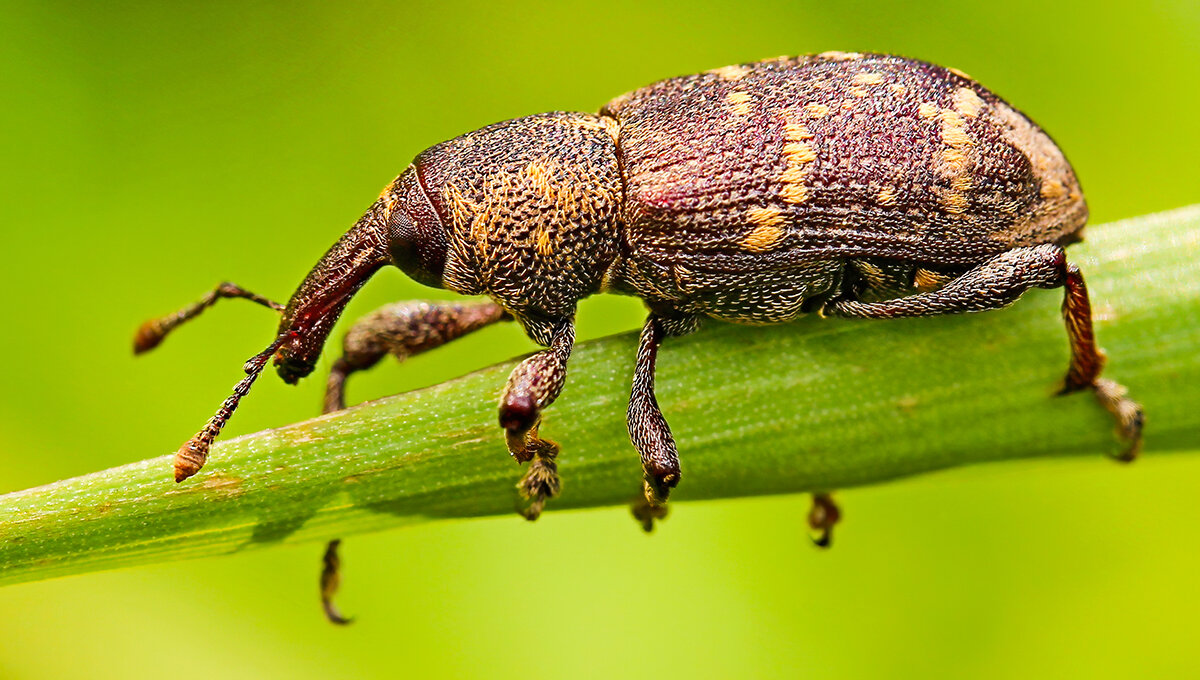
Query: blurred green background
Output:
(153,149)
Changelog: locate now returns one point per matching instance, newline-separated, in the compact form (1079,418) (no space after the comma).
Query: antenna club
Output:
(191,457)
(149,335)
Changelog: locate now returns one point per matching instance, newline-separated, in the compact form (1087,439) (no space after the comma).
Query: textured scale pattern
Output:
(769,175)
(531,207)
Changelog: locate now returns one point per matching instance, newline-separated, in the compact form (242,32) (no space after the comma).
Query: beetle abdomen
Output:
(767,165)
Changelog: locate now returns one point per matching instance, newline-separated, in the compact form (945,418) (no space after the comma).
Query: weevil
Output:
(839,184)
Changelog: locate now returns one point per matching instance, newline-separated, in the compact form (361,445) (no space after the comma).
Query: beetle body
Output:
(743,192)
(848,184)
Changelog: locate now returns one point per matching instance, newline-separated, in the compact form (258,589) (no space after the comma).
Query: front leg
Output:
(533,385)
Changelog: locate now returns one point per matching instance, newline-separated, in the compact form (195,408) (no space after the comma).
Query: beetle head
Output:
(402,229)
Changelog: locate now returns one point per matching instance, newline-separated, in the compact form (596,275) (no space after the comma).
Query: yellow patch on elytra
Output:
(857,92)
(798,156)
(955,202)
(887,196)
(799,152)
(897,89)
(762,238)
(739,102)
(967,102)
(868,78)
(734,72)
(795,132)
(816,110)
(952,130)
(960,74)
(765,217)
(928,110)
(956,163)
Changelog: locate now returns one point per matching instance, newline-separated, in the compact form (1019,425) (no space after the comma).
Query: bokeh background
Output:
(152,149)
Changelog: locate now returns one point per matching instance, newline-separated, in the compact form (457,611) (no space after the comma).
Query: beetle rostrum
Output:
(843,184)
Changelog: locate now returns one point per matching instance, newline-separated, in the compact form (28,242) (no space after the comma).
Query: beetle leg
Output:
(402,329)
(533,385)
(997,283)
(822,517)
(648,429)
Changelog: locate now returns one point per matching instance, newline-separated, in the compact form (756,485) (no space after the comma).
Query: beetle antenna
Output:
(151,333)
(192,455)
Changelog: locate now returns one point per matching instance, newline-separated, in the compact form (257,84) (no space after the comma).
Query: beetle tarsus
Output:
(331,580)
(540,482)
(647,513)
(822,517)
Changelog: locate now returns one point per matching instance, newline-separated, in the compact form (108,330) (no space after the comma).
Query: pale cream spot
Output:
(796,132)
(960,74)
(928,110)
(762,238)
(613,128)
(868,78)
(798,156)
(897,89)
(857,92)
(734,72)
(801,152)
(887,196)
(1052,189)
(967,102)
(739,103)
(956,161)
(840,56)
(816,110)
(952,130)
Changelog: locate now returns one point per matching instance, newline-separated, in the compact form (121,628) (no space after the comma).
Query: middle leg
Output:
(648,429)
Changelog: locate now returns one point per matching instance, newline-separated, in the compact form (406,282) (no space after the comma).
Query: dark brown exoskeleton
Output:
(842,184)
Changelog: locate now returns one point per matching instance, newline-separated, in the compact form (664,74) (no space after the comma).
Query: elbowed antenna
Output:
(193,454)
(153,332)
(304,327)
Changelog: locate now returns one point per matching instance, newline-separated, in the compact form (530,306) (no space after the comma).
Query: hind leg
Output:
(998,283)
(402,329)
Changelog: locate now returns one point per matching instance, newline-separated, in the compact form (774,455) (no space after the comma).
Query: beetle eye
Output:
(421,257)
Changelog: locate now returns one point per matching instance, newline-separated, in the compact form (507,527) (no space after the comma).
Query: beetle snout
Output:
(292,368)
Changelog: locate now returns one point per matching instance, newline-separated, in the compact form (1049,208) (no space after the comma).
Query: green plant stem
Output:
(820,404)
